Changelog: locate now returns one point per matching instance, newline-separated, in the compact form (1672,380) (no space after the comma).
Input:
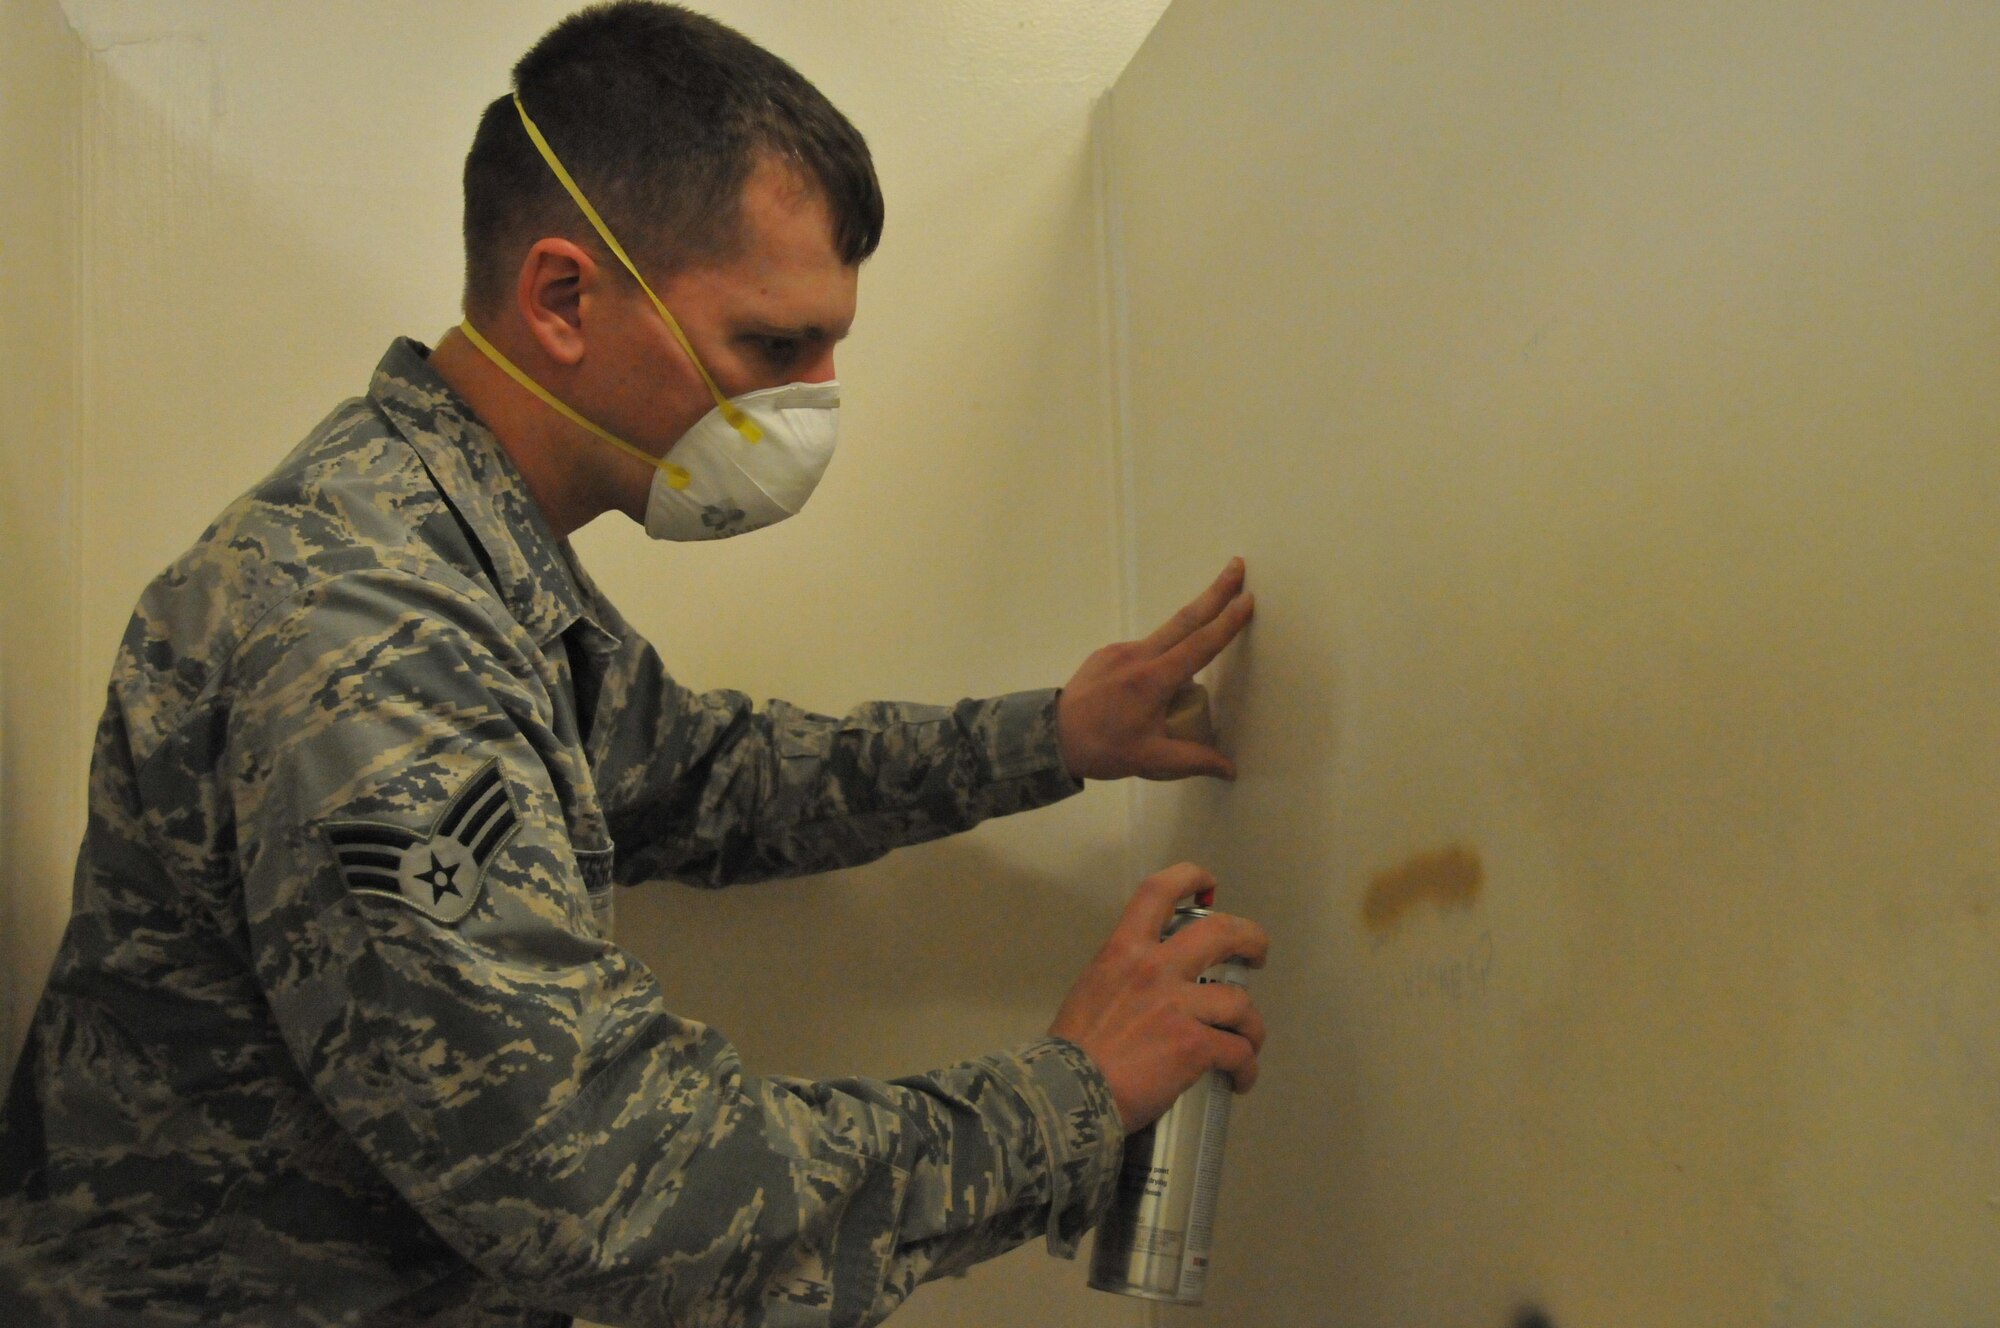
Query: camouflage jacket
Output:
(337,1033)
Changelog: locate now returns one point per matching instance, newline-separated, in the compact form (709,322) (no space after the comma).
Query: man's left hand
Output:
(1112,718)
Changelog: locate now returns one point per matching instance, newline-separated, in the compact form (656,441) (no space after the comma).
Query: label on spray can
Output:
(1154,1242)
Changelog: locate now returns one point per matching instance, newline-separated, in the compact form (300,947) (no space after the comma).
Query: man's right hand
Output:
(1141,1017)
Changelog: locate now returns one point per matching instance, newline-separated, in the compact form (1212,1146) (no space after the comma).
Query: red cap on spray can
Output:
(1205,897)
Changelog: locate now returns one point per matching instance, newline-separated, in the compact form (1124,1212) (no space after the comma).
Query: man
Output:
(337,1033)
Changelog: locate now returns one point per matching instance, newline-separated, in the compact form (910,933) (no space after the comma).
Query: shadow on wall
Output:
(932,955)
(40,66)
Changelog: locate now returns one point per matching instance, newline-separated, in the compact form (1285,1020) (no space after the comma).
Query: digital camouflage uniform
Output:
(337,1034)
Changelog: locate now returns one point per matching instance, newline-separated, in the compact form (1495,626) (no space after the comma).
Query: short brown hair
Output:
(659,114)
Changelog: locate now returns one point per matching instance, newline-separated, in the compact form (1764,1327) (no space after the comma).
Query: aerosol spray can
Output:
(1154,1242)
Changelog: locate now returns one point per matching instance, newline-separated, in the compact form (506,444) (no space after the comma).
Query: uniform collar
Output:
(537,578)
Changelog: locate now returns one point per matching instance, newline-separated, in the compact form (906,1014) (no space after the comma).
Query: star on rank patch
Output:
(437,873)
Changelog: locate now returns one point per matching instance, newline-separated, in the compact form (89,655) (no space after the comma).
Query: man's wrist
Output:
(1021,734)
(1081,1131)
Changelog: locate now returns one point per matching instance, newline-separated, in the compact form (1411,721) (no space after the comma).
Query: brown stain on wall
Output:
(1449,877)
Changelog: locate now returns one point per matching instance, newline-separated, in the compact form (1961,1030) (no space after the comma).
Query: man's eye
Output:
(779,350)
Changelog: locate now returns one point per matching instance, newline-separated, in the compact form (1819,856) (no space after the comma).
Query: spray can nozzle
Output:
(1205,897)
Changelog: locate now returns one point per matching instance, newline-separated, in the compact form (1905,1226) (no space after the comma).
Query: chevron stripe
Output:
(485,810)
(479,791)
(365,833)
(500,829)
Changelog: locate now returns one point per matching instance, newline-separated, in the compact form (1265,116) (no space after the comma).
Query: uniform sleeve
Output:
(421,925)
(704,788)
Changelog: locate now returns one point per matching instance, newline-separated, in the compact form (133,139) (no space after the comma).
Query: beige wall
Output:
(269,193)
(42,756)
(1605,399)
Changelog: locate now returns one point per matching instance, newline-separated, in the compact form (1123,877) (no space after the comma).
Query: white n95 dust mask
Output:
(733,486)
(748,463)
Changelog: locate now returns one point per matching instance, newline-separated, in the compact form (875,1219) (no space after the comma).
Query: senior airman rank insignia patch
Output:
(438,873)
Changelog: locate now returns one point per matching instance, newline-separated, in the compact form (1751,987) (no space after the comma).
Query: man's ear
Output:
(550,291)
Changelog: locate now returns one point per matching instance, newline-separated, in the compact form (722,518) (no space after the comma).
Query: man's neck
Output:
(567,478)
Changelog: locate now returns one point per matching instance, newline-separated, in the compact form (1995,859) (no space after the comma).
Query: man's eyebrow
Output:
(802,332)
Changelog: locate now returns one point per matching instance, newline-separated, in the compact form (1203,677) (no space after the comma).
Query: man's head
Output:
(744,198)
(662,116)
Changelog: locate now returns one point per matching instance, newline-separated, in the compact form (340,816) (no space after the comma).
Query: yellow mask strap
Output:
(676,475)
(743,423)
